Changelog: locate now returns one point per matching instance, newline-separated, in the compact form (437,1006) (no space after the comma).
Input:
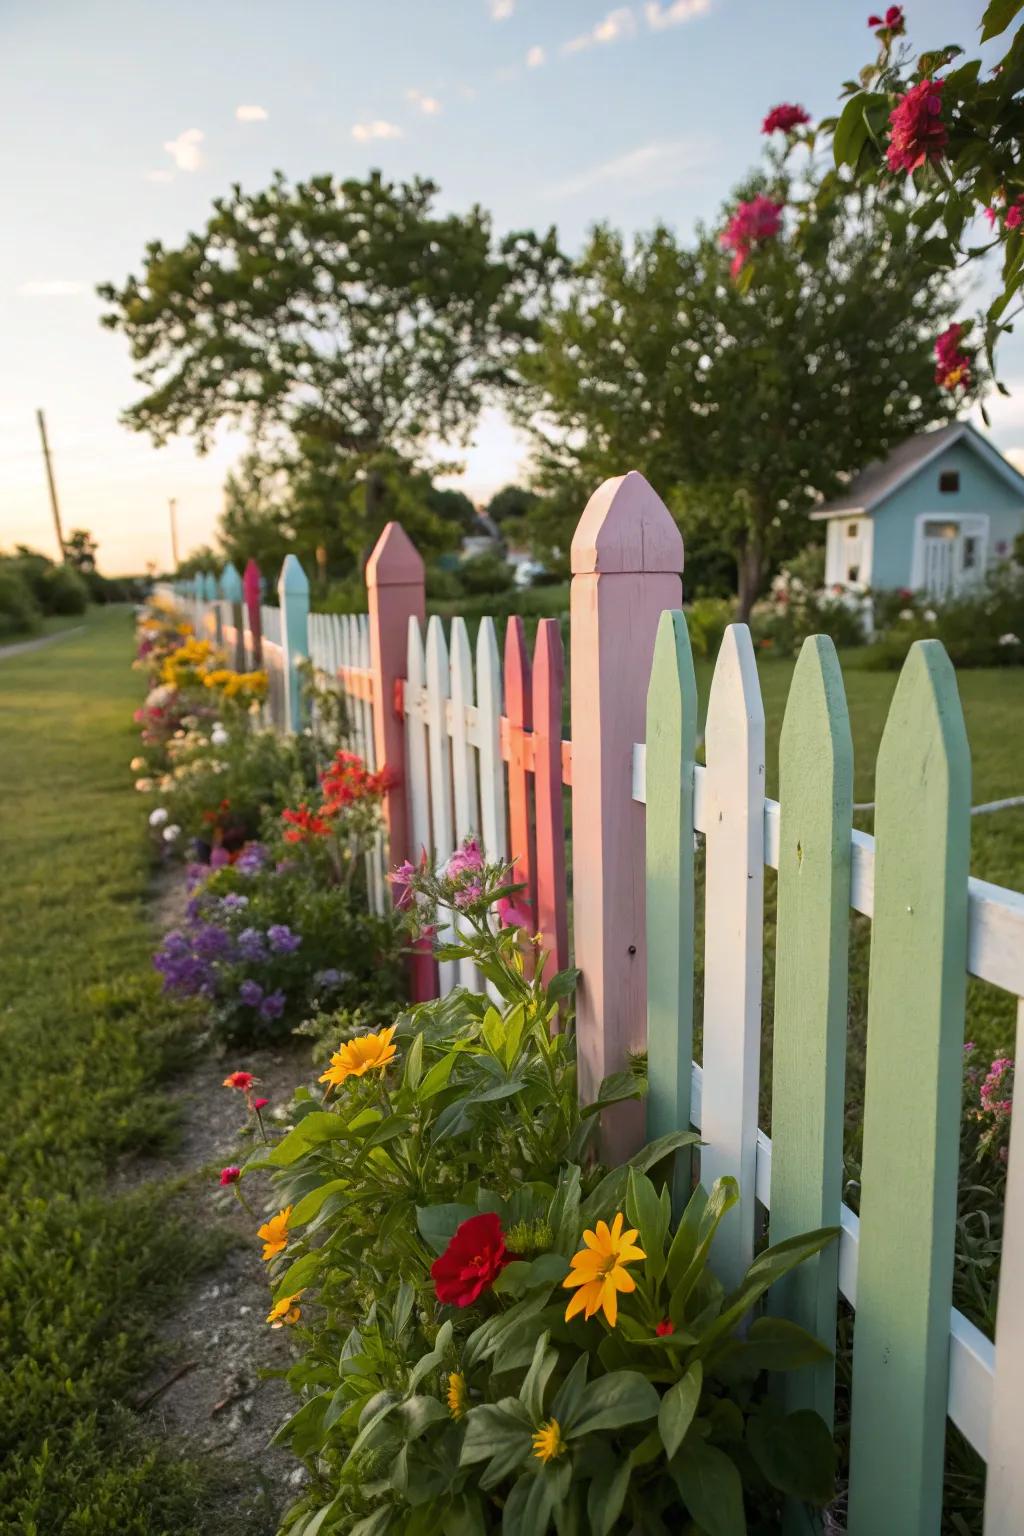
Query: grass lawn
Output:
(86,1041)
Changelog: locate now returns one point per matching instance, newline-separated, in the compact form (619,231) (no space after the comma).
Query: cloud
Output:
(651,168)
(161,175)
(618,24)
(501,10)
(674,13)
(535,58)
(251,114)
(51,288)
(185,151)
(428,105)
(378,129)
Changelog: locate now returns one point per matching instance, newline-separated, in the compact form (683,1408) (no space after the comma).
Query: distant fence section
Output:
(471,737)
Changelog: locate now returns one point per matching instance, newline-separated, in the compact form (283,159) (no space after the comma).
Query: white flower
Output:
(143,786)
(171,834)
(930,615)
(1009,640)
(906,614)
(137,764)
(219,736)
(158,816)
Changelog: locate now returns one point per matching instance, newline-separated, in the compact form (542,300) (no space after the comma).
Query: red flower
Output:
(664,1328)
(347,780)
(230,1175)
(952,363)
(1014,214)
(260,1103)
(752,223)
(305,825)
(784,118)
(892,22)
(472,1261)
(918,132)
(243,1081)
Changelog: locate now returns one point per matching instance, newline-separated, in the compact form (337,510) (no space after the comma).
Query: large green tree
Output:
(741,389)
(347,321)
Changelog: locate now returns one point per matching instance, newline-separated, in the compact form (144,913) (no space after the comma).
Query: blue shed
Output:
(932,517)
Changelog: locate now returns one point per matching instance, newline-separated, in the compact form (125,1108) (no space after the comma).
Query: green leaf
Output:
(795,1453)
(771,1344)
(710,1487)
(725,1193)
(564,1213)
(569,1397)
(436,1077)
(437,1223)
(531,1394)
(997,17)
(416,1415)
(563,985)
(413,1063)
(299,1274)
(851,132)
(768,1267)
(310,1204)
(620,1398)
(312,1130)
(678,1408)
(651,1214)
(615,1088)
(607,1495)
(491,1425)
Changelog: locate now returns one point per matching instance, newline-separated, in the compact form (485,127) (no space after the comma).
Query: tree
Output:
(348,321)
(744,389)
(511,502)
(254,522)
(80,551)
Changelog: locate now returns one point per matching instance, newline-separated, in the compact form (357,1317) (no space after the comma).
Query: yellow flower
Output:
(275,1233)
(285,1311)
(364,1054)
(458,1397)
(548,1442)
(599,1270)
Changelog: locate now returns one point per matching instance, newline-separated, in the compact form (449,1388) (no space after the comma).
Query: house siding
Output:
(982,490)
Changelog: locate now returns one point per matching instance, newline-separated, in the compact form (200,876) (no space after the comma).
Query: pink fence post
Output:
(252,590)
(395,593)
(519,713)
(548,683)
(627,561)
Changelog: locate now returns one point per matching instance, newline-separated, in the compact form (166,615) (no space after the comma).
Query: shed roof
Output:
(878,480)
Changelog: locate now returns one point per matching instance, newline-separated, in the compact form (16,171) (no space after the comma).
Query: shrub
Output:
(707,620)
(983,627)
(62,591)
(796,609)
(465,1363)
(485,573)
(19,611)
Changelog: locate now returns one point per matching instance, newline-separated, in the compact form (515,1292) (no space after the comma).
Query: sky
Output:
(124,119)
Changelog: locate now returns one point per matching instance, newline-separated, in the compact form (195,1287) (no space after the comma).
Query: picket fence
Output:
(477,749)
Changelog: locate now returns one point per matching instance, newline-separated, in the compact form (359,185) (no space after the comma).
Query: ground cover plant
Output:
(87,1045)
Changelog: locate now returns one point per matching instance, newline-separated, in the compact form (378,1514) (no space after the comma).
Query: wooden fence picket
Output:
(417,770)
(551,915)
(439,752)
(671,746)
(492,768)
(467,816)
(809,1037)
(912,1094)
(519,713)
(1004,1485)
(734,886)
(252,586)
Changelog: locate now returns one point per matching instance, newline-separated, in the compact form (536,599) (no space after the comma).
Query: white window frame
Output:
(973,524)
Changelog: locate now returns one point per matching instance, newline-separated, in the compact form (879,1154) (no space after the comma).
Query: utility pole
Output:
(173,508)
(49,477)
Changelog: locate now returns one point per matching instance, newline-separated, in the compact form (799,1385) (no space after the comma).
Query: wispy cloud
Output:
(160,175)
(251,114)
(378,129)
(428,105)
(618,24)
(51,288)
(535,58)
(501,10)
(651,168)
(185,150)
(674,13)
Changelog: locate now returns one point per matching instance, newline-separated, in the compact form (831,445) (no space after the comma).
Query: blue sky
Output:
(124,121)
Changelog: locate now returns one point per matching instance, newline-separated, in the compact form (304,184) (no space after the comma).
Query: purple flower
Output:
(251,944)
(329,978)
(183,970)
(282,939)
(219,858)
(251,859)
(272,1005)
(250,993)
(211,942)
(233,902)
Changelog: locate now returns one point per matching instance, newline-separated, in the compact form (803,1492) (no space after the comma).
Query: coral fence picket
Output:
(472,743)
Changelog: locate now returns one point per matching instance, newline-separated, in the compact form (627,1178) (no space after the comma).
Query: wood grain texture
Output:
(912,1096)
(809,1038)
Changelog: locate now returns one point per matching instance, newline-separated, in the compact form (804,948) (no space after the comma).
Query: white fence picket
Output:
(464,777)
(734,885)
(493,819)
(416,761)
(438,696)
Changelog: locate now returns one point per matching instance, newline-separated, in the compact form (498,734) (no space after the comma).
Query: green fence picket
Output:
(671,745)
(911,1105)
(811,957)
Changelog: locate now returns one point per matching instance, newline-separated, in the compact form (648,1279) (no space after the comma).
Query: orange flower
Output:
(275,1233)
(366,1053)
(285,1312)
(243,1081)
(599,1270)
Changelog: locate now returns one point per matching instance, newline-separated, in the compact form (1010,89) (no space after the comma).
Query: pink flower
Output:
(401,882)
(991,215)
(1014,214)
(752,223)
(465,860)
(952,363)
(784,118)
(892,22)
(514,912)
(230,1175)
(998,1081)
(918,132)
(260,1103)
(469,893)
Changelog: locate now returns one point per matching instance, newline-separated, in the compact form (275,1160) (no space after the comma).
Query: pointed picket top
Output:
(626,527)
(671,737)
(252,583)
(293,579)
(811,955)
(231,584)
(492,769)
(395,560)
(912,1101)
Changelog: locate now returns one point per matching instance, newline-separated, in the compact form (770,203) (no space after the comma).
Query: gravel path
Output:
(22,646)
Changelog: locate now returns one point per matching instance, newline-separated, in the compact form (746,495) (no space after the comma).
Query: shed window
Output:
(970,553)
(853,573)
(949,481)
(852,530)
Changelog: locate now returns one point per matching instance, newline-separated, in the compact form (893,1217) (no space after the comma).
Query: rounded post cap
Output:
(395,560)
(231,583)
(293,580)
(626,527)
(210,587)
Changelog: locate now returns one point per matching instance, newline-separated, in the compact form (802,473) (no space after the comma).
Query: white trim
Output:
(981,522)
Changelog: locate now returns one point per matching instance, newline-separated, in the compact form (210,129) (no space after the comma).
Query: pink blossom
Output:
(465,860)
(1014,214)
(998,1081)
(952,363)
(469,893)
(784,118)
(513,913)
(918,132)
(991,215)
(892,22)
(401,880)
(750,225)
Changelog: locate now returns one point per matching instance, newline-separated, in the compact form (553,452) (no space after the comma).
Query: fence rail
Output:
(471,739)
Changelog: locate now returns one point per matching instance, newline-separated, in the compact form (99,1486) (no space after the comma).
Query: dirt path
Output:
(22,646)
(208,1392)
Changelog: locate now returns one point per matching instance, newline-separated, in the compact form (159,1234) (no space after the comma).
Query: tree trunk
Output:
(750,569)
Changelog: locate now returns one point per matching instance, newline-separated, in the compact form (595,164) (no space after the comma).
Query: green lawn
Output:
(86,1043)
